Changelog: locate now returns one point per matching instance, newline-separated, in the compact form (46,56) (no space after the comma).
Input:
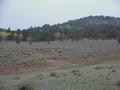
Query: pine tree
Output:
(1,38)
(17,39)
(119,40)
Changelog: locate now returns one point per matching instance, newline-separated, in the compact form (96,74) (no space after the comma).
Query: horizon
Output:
(56,23)
(21,14)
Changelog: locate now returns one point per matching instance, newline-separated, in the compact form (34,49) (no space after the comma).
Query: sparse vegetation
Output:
(40,76)
(90,80)
(79,54)
(76,72)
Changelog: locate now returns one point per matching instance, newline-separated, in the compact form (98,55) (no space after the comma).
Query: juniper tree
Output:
(1,38)
(17,39)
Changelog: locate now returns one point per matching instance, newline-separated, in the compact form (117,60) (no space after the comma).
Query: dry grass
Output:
(77,77)
(4,34)
(26,85)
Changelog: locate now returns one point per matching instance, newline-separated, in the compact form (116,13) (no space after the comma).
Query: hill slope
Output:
(105,27)
(91,27)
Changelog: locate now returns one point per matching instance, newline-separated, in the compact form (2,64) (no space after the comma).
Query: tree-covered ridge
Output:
(91,27)
(2,29)
(94,20)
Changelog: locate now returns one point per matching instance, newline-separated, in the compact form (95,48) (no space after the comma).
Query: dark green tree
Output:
(1,38)
(119,40)
(25,35)
(9,30)
(17,38)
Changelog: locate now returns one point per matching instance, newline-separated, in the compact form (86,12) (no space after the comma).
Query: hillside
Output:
(2,29)
(91,27)
(94,20)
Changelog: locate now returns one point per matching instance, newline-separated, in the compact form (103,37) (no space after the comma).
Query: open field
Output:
(66,65)
(93,77)
(4,34)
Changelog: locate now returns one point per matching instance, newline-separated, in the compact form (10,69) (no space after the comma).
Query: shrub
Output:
(119,40)
(53,74)
(26,86)
(110,67)
(30,42)
(76,72)
(98,67)
(1,88)
(118,83)
(91,45)
(113,71)
(17,39)
(1,38)
(40,76)
(17,77)
(64,74)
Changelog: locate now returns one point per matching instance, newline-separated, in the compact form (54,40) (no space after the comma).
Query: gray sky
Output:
(25,13)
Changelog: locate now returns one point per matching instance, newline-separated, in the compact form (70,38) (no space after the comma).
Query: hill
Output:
(94,20)
(2,29)
(91,27)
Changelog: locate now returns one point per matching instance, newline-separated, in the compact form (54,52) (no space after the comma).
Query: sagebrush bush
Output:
(118,83)
(119,40)
(75,72)
(98,67)
(113,71)
(1,38)
(53,74)
(26,85)
(40,76)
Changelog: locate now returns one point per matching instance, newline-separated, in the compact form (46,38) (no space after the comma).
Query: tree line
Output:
(92,27)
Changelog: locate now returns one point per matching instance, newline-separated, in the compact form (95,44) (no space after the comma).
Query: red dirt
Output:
(50,65)
(8,69)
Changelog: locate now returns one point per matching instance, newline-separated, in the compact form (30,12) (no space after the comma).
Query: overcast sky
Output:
(25,13)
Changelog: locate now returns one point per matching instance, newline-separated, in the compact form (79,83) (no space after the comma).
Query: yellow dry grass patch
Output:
(4,33)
